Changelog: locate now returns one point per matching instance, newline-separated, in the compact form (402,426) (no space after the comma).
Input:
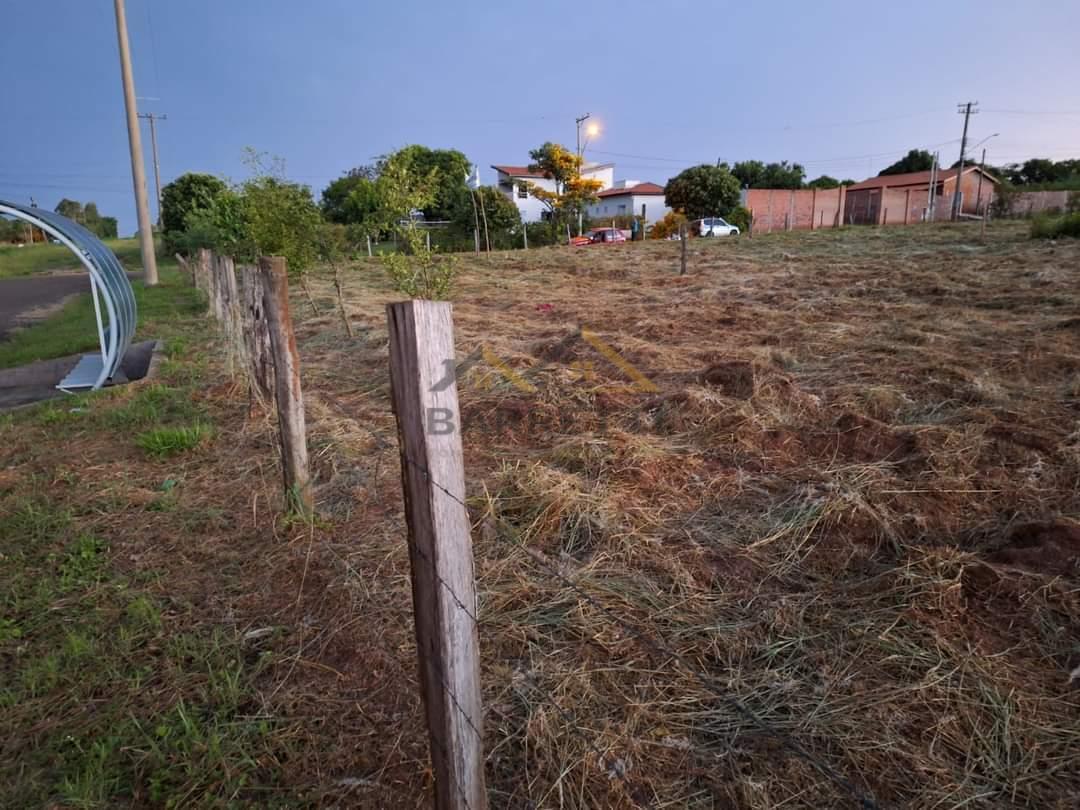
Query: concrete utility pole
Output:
(138,171)
(965,109)
(153,148)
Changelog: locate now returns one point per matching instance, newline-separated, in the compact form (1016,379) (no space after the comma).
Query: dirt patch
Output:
(1044,548)
(734,378)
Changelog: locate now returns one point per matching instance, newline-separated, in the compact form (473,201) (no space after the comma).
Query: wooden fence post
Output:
(274,281)
(202,272)
(684,237)
(256,332)
(525,234)
(440,549)
(369,246)
(217,301)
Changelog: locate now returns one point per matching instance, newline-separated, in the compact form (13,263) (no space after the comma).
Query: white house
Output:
(513,182)
(627,197)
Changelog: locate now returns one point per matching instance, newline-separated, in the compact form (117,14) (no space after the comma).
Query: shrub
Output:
(1051,227)
(739,216)
(668,226)
(422,273)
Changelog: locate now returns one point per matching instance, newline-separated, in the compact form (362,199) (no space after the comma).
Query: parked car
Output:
(715,226)
(599,236)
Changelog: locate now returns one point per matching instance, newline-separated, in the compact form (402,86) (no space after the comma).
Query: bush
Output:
(668,226)
(187,194)
(1051,227)
(739,216)
(423,273)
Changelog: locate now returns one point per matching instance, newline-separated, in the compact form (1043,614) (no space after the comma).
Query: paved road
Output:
(19,295)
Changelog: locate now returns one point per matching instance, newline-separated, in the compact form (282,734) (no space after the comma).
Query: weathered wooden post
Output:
(202,272)
(684,237)
(256,332)
(525,234)
(217,299)
(274,281)
(440,549)
(369,246)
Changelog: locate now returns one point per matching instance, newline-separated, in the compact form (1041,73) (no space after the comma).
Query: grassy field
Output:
(39,258)
(847,497)
(73,329)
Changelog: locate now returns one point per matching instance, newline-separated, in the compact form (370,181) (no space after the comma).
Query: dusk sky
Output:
(842,87)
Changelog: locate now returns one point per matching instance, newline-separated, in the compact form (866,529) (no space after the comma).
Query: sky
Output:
(844,88)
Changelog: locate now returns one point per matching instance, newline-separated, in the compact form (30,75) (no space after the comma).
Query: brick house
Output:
(899,199)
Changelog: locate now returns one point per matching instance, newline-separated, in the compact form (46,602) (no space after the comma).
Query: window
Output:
(523,191)
(545,216)
(622,209)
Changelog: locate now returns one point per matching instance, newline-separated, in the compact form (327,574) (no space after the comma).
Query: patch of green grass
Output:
(152,404)
(103,703)
(74,328)
(1050,227)
(39,258)
(170,441)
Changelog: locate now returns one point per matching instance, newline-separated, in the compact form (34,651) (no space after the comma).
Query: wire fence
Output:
(653,645)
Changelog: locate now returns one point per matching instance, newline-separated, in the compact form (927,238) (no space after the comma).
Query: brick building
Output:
(899,199)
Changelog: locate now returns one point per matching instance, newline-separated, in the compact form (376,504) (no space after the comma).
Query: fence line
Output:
(438,538)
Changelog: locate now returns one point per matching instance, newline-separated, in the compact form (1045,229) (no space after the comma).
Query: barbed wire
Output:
(661,648)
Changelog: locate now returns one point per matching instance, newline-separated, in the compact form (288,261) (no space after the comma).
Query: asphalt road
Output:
(21,295)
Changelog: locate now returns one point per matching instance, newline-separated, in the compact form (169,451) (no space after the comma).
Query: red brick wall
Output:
(779,209)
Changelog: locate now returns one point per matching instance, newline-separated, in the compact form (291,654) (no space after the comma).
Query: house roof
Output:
(640,189)
(518,171)
(914,179)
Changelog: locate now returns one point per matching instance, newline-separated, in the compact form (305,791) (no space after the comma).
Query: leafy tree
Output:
(703,191)
(503,217)
(266,215)
(187,194)
(848,182)
(783,175)
(107,228)
(353,198)
(444,170)
(824,182)
(572,191)
(70,209)
(755,174)
(917,160)
(749,173)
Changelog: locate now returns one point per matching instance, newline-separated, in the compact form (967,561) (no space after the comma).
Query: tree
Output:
(70,209)
(917,160)
(783,175)
(187,194)
(265,215)
(572,191)
(703,191)
(755,174)
(824,182)
(502,216)
(445,170)
(749,173)
(108,228)
(848,182)
(352,199)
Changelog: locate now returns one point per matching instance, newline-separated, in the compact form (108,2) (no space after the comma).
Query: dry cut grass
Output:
(846,498)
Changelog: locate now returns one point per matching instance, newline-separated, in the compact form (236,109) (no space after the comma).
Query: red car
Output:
(599,236)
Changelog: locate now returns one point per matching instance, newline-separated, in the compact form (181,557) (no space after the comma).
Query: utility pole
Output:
(930,198)
(578,122)
(965,109)
(138,170)
(153,148)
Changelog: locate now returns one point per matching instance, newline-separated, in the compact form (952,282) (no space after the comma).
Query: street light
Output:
(591,131)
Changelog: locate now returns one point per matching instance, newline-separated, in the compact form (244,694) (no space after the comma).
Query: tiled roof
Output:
(640,189)
(913,179)
(518,171)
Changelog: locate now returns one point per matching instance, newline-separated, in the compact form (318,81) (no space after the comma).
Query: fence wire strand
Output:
(662,649)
